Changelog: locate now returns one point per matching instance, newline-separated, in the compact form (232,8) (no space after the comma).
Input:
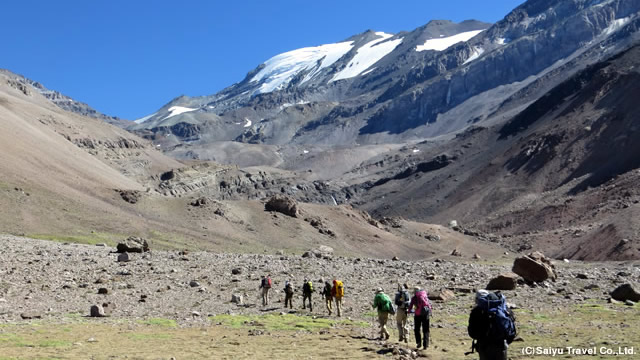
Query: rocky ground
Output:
(55,282)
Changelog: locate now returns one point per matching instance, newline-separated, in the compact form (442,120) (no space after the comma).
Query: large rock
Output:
(133,245)
(534,267)
(236,299)
(323,251)
(282,204)
(503,282)
(625,292)
(442,295)
(97,311)
(124,257)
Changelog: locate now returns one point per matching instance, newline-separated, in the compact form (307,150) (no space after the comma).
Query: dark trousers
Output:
(304,301)
(288,299)
(421,321)
(492,351)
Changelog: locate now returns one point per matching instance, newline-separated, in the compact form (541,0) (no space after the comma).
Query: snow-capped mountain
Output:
(311,75)
(384,88)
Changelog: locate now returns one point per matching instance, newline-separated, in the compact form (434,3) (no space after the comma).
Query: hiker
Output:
(402,301)
(384,306)
(265,285)
(337,291)
(491,325)
(422,312)
(328,297)
(288,294)
(307,290)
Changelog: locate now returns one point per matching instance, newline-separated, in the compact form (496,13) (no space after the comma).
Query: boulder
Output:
(124,257)
(194,283)
(133,245)
(442,295)
(236,271)
(130,196)
(97,311)
(236,299)
(625,292)
(503,282)
(103,291)
(323,251)
(30,315)
(456,252)
(534,267)
(282,204)
(307,254)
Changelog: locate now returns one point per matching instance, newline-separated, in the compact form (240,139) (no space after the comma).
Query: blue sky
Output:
(128,58)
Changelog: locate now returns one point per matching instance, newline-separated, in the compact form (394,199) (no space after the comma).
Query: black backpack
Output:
(491,320)
(402,298)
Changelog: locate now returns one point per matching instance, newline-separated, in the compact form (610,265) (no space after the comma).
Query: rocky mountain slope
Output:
(559,175)
(68,177)
(381,88)
(62,101)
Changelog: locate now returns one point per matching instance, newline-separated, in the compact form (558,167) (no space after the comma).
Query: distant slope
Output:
(63,101)
(562,175)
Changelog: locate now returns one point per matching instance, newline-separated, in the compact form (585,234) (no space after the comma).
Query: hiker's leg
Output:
(416,330)
(381,324)
(400,317)
(426,329)
(339,305)
(310,303)
(385,317)
(405,327)
(267,296)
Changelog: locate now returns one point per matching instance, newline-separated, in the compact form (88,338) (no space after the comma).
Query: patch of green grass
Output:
(53,343)
(286,322)
(160,322)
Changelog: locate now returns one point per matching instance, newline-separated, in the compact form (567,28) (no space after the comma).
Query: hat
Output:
(379,290)
(416,288)
(481,293)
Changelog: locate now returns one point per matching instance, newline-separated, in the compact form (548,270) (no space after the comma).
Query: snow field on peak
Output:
(177,110)
(444,43)
(368,55)
(280,69)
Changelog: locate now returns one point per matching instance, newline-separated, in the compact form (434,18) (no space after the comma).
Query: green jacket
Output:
(382,302)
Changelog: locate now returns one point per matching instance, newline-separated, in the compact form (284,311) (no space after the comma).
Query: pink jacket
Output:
(420,300)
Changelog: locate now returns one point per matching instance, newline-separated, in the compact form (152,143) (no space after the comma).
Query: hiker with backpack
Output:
(402,301)
(288,294)
(328,297)
(491,326)
(421,314)
(307,290)
(337,291)
(265,285)
(383,304)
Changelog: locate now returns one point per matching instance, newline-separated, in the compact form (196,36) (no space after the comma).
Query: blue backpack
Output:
(491,320)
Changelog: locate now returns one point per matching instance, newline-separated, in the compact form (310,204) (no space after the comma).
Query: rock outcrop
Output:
(282,204)
(534,267)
